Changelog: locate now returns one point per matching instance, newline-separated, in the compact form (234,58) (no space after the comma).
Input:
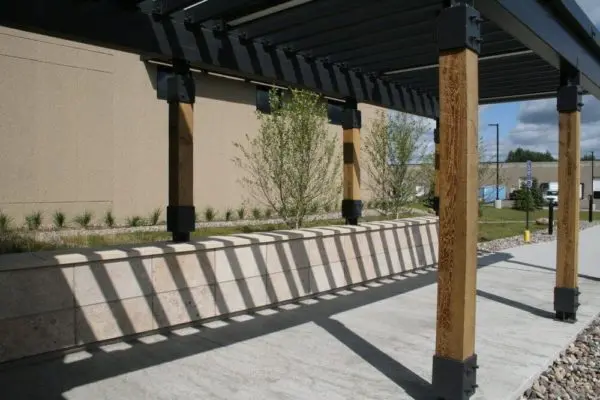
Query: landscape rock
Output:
(575,374)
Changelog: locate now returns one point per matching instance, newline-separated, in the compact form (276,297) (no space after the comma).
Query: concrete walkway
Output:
(372,342)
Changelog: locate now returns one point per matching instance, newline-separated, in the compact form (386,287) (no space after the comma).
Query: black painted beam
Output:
(223,9)
(168,7)
(106,24)
(538,27)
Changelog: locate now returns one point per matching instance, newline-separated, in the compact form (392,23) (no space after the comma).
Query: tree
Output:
(293,163)
(589,157)
(522,155)
(393,143)
(531,199)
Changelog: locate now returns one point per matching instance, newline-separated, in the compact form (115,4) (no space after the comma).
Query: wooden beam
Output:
(567,247)
(351,203)
(180,94)
(455,361)
(458,204)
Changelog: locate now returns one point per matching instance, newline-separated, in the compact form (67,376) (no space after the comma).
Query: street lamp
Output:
(497,160)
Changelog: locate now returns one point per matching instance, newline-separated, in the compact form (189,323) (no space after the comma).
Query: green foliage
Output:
(5,222)
(241,212)
(256,213)
(59,219)
(529,199)
(589,157)
(33,221)
(229,214)
(154,216)
(84,219)
(134,221)
(268,213)
(294,160)
(209,214)
(109,219)
(392,144)
(327,206)
(313,208)
(522,155)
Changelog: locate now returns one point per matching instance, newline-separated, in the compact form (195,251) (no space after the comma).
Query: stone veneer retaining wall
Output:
(59,300)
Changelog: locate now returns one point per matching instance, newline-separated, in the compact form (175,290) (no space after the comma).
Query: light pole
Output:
(497,160)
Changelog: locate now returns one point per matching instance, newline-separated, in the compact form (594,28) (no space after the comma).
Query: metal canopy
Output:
(382,52)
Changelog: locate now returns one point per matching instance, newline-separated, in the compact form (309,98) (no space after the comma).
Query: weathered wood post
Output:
(569,102)
(180,93)
(351,124)
(455,361)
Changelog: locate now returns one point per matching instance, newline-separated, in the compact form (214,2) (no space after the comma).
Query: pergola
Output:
(438,59)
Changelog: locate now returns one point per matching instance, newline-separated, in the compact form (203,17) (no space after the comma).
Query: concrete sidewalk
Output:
(372,342)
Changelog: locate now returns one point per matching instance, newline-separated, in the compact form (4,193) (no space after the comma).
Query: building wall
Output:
(81,129)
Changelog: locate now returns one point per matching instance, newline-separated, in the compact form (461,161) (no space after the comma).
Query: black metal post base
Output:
(181,237)
(181,220)
(566,303)
(453,379)
(352,211)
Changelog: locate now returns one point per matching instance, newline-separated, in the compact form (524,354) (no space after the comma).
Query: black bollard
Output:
(551,218)
(590,207)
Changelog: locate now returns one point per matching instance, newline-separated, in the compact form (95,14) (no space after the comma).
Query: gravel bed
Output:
(536,237)
(575,375)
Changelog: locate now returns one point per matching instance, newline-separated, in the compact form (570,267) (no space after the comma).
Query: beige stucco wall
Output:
(81,129)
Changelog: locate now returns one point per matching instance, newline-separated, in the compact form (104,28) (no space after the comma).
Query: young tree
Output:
(391,145)
(293,162)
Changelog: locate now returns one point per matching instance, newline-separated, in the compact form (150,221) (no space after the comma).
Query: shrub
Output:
(256,214)
(229,214)
(313,208)
(268,213)
(109,219)
(5,222)
(59,219)
(33,220)
(134,221)
(84,219)
(154,216)
(209,214)
(327,207)
(241,212)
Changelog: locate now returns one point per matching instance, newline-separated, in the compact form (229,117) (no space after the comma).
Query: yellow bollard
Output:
(527,236)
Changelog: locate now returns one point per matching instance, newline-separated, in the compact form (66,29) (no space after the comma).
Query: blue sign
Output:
(529,179)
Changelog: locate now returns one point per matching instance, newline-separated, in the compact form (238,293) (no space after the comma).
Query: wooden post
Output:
(181,96)
(455,361)
(436,178)
(351,124)
(566,292)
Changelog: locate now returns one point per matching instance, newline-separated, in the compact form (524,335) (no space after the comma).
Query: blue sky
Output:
(534,124)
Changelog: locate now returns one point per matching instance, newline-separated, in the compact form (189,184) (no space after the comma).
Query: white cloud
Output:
(537,127)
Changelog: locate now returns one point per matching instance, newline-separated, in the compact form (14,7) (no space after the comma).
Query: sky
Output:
(534,124)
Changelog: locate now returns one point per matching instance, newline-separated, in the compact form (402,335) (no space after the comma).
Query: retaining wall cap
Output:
(18,261)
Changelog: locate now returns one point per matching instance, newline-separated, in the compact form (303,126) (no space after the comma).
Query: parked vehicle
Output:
(550,191)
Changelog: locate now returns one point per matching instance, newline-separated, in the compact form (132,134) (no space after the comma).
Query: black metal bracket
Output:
(436,205)
(351,119)
(459,27)
(570,94)
(453,379)
(179,85)
(566,303)
(569,99)
(181,220)
(352,210)
(436,135)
